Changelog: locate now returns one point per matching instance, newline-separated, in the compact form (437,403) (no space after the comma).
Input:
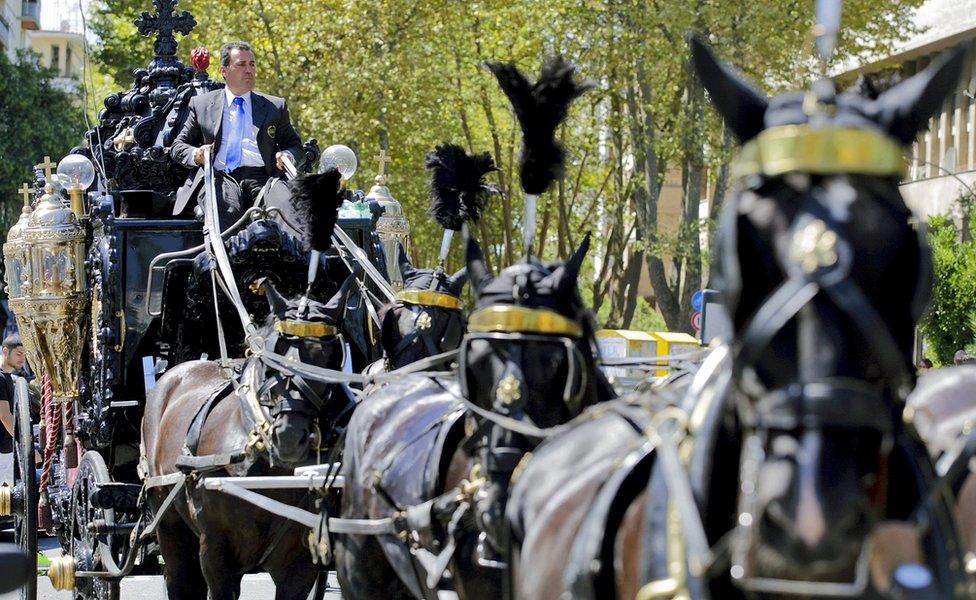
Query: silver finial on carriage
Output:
(392,226)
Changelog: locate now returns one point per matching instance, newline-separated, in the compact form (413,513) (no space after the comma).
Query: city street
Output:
(144,587)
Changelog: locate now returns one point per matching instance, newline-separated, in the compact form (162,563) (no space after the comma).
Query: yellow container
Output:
(624,343)
(670,343)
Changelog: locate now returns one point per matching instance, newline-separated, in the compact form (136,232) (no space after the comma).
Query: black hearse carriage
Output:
(143,304)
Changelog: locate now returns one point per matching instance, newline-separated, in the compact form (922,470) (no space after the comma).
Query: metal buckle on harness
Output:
(318,540)
(257,439)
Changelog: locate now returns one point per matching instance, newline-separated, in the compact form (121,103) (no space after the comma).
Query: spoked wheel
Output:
(93,551)
(25,485)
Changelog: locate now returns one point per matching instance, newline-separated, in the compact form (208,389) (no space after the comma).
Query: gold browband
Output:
(519,319)
(430,298)
(307,329)
(821,151)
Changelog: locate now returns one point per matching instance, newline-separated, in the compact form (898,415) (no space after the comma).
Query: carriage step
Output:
(118,496)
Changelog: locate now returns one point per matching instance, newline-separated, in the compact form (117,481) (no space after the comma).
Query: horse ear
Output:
(406,268)
(567,275)
(455,283)
(739,103)
(389,332)
(905,109)
(477,270)
(278,304)
(337,303)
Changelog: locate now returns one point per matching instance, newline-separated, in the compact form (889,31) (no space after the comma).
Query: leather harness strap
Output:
(829,403)
(196,425)
(417,332)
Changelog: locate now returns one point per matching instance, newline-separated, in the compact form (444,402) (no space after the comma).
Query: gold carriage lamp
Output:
(520,319)
(821,151)
(429,298)
(76,173)
(305,329)
(45,259)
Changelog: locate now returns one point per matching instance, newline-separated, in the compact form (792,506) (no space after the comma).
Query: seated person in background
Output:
(923,366)
(248,134)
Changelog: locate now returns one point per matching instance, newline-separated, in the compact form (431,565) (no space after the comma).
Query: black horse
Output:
(208,539)
(527,364)
(425,320)
(804,464)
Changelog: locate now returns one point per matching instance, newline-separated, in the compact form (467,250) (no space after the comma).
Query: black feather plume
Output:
(317,201)
(458,192)
(540,108)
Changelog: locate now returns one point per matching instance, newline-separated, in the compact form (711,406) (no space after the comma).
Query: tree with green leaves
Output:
(38,119)
(950,323)
(404,76)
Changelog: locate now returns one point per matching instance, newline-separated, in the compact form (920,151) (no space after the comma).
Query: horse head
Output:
(426,319)
(527,358)
(528,353)
(825,278)
(304,330)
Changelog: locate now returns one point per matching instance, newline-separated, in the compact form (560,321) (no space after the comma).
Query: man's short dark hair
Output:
(12,341)
(925,364)
(229,47)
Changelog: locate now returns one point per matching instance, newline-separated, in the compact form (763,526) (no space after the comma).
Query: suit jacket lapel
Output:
(216,115)
(259,110)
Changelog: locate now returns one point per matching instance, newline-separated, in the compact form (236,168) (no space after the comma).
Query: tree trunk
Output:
(694,166)
(646,196)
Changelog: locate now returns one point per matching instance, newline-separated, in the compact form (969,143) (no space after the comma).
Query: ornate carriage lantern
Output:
(51,304)
(15,256)
(392,226)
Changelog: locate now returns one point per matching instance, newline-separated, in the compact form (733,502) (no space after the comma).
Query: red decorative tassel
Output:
(52,425)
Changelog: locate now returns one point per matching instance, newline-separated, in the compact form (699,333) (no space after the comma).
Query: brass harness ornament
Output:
(519,319)
(429,298)
(306,329)
(819,151)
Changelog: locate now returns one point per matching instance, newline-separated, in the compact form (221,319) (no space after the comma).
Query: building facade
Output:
(63,51)
(942,165)
(17,19)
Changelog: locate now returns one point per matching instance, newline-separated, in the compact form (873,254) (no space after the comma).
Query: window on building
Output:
(67,61)
(55,57)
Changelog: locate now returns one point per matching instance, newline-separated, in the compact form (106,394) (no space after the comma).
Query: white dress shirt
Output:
(250,155)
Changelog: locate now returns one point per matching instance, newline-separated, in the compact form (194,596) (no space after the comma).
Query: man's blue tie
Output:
(236,135)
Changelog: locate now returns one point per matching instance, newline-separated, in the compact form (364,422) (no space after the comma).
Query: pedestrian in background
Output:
(12,357)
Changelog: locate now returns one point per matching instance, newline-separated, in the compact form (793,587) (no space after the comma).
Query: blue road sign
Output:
(696,300)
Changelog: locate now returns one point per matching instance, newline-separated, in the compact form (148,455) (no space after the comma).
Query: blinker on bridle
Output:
(529,325)
(819,151)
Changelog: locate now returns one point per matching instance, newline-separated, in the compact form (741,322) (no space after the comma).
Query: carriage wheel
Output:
(25,485)
(89,548)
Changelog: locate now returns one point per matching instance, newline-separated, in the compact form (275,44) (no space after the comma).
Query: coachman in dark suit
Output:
(247,132)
